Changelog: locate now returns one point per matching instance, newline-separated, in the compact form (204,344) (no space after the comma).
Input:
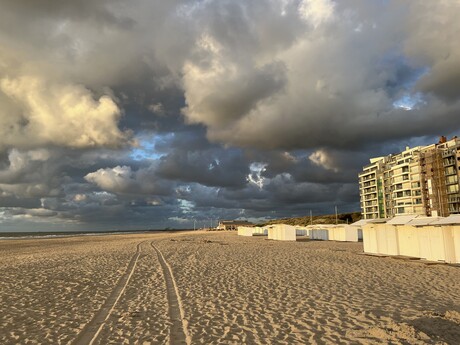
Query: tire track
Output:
(91,331)
(178,333)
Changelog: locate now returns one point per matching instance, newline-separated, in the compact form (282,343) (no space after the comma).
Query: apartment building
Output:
(371,190)
(422,180)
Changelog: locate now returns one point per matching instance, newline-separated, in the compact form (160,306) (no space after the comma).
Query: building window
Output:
(451,179)
(453,188)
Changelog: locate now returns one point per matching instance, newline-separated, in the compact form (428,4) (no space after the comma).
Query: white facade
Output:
(429,238)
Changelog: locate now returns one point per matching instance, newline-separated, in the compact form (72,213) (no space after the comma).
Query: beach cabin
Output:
(406,237)
(450,234)
(319,232)
(343,233)
(359,227)
(332,232)
(260,231)
(245,230)
(428,243)
(429,238)
(282,232)
(301,230)
(371,230)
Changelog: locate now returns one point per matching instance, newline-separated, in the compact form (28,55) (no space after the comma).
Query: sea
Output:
(42,235)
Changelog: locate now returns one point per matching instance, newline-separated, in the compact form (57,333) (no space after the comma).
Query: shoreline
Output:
(63,234)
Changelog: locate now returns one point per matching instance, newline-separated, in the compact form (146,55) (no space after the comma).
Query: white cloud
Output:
(323,158)
(255,177)
(316,11)
(47,112)
(116,179)
(123,180)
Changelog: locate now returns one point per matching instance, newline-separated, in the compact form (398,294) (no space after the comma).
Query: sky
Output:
(149,114)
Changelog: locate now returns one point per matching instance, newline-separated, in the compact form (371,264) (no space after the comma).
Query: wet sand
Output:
(218,288)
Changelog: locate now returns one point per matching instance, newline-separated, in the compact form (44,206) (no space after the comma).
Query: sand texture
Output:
(218,288)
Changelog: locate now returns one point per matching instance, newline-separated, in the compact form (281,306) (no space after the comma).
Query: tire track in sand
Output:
(91,331)
(178,333)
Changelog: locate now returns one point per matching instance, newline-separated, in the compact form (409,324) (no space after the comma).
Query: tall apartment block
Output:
(423,180)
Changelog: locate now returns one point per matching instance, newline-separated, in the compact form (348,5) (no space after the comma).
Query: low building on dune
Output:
(233,224)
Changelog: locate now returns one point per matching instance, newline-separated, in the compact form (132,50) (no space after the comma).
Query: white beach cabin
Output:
(428,238)
(406,237)
(359,227)
(319,232)
(282,232)
(301,230)
(260,231)
(245,230)
(343,233)
(371,229)
(451,237)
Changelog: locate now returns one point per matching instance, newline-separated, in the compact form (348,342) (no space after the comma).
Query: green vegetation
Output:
(342,218)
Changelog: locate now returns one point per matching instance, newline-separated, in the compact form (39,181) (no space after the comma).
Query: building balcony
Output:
(371,190)
(454,199)
(448,162)
(448,153)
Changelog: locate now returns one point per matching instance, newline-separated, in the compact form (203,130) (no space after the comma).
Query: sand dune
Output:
(230,290)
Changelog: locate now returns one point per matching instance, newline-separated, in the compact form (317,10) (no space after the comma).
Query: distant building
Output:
(232,224)
(422,180)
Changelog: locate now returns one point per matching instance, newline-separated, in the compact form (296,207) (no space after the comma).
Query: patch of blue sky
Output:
(215,163)
(409,101)
(186,206)
(146,148)
(402,75)
(416,76)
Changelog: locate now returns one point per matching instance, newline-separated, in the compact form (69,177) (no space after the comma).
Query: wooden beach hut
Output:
(371,236)
(343,233)
(301,230)
(319,232)
(406,242)
(451,237)
(245,230)
(282,232)
(260,231)
(359,227)
(429,238)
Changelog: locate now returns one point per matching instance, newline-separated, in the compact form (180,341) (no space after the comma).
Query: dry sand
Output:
(218,288)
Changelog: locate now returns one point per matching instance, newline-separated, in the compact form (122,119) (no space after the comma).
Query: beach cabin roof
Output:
(421,221)
(362,222)
(402,220)
(452,219)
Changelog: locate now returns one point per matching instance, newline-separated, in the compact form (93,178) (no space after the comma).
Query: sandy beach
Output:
(218,288)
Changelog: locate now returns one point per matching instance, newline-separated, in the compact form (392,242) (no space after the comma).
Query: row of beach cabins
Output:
(411,236)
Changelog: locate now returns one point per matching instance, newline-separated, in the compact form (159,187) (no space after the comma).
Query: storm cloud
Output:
(153,114)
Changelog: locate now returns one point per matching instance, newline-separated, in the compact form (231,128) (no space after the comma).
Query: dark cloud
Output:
(210,168)
(164,114)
